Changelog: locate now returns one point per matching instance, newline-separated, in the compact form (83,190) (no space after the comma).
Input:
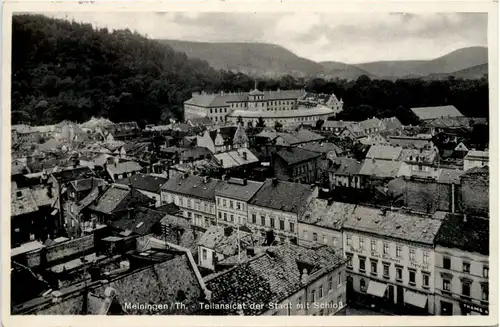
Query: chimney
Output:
(250,252)
(244,154)
(275,182)
(50,192)
(245,181)
(228,231)
(304,277)
(465,218)
(100,188)
(205,179)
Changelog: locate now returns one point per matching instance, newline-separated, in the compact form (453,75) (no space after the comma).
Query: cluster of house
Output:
(300,221)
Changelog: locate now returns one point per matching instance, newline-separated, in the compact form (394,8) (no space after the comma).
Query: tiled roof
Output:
(371,123)
(471,235)
(284,196)
(300,136)
(124,167)
(392,123)
(42,198)
(86,184)
(338,124)
(202,121)
(450,176)
(224,240)
(331,216)
(51,144)
(426,113)
(380,168)
(169,208)
(269,277)
(346,166)
(476,171)
(223,99)
(234,188)
(192,185)
(294,155)
(139,221)
(300,112)
(384,152)
(227,134)
(144,182)
(236,158)
(393,224)
(22,202)
(473,154)
(323,147)
(410,142)
(118,197)
(194,153)
(71,174)
(423,156)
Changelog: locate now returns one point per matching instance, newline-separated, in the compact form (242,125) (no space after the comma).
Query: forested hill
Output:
(66,70)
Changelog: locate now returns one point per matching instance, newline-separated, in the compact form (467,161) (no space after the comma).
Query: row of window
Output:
(465,266)
(272,223)
(221,110)
(194,204)
(229,218)
(231,204)
(412,273)
(317,294)
(305,235)
(386,249)
(466,287)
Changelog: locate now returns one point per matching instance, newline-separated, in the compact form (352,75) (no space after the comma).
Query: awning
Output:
(416,299)
(376,288)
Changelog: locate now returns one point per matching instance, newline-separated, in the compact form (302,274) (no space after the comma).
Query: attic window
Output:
(139,225)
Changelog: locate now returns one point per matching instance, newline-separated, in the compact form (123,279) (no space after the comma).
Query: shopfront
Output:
(416,303)
(470,309)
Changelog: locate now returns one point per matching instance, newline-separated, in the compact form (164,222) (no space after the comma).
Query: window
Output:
(399,274)
(305,234)
(465,289)
(386,248)
(484,292)
(412,275)
(362,285)
(313,295)
(425,280)
(325,240)
(315,237)
(446,285)
(361,264)
(374,245)
(386,270)
(373,265)
(466,267)
(189,214)
(232,218)
(292,227)
(412,255)
(361,243)
(349,260)
(335,241)
(254,218)
(224,202)
(446,263)
(282,224)
(339,282)
(485,271)
(238,206)
(321,292)
(349,239)
(330,283)
(271,222)
(299,301)
(231,204)
(398,251)
(263,220)
(220,215)
(204,253)
(225,216)
(426,258)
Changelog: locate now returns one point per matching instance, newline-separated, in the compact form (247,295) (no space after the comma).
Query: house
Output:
(474,192)
(124,169)
(241,157)
(138,221)
(462,266)
(384,152)
(345,173)
(336,126)
(283,280)
(201,122)
(223,139)
(413,142)
(374,172)
(195,196)
(23,217)
(123,131)
(421,162)
(18,167)
(476,159)
(430,113)
(321,223)
(301,136)
(176,229)
(297,165)
(331,150)
(391,259)
(277,206)
(373,139)
(392,124)
(220,242)
(372,125)
(232,197)
(148,185)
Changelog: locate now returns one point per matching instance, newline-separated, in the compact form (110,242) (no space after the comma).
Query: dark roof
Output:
(426,113)
(71,174)
(86,184)
(284,196)
(346,166)
(192,185)
(118,197)
(203,121)
(237,188)
(227,134)
(22,202)
(169,208)
(323,147)
(144,182)
(472,235)
(294,155)
(270,277)
(139,221)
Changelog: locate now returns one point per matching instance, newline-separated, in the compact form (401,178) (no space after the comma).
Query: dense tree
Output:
(261,123)
(278,126)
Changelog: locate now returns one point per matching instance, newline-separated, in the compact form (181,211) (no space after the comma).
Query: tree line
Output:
(68,70)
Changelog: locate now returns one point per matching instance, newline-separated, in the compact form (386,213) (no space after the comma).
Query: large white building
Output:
(272,106)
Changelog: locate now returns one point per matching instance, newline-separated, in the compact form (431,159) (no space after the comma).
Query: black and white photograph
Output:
(250,164)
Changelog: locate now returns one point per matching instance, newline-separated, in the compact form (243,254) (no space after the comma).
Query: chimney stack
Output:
(275,182)
(304,277)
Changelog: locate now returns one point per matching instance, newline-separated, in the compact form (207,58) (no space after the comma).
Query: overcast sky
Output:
(344,37)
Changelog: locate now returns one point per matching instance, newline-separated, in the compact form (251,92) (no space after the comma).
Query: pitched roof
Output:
(426,113)
(201,121)
(227,134)
(338,124)
(42,197)
(116,197)
(124,167)
(270,277)
(380,168)
(169,208)
(474,155)
(472,235)
(300,136)
(320,213)
(384,152)
(393,224)
(22,202)
(86,184)
(284,196)
(237,188)
(71,174)
(236,158)
(410,141)
(450,176)
(224,240)
(392,123)
(300,112)
(294,155)
(139,221)
(423,156)
(224,99)
(371,123)
(323,147)
(144,182)
(346,166)
(192,185)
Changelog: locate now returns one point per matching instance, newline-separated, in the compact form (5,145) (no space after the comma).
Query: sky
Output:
(343,37)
